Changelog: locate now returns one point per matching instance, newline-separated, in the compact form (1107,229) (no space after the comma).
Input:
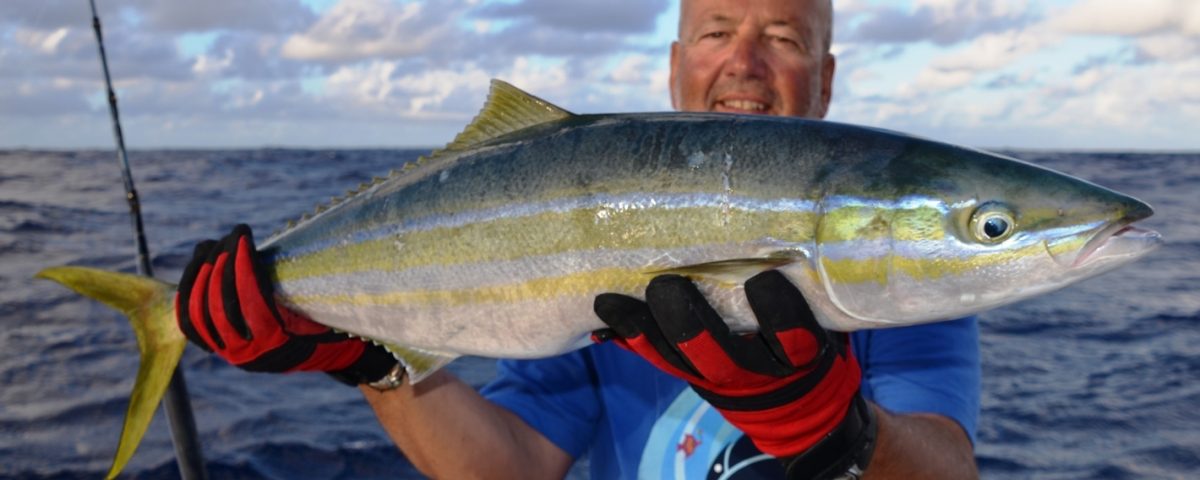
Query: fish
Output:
(497,244)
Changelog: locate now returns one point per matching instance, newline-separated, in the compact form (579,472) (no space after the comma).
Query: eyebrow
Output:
(801,34)
(716,18)
(722,20)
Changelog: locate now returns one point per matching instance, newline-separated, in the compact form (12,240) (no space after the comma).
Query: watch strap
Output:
(844,453)
(393,379)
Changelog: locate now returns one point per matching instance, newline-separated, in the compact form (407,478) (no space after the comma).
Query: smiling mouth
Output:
(749,106)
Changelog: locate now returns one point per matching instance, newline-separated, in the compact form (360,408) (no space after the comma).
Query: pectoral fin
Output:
(731,271)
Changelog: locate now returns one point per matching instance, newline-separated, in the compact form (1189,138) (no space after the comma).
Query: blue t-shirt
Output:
(631,417)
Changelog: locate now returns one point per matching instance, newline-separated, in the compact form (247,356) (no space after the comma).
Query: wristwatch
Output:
(393,379)
(844,453)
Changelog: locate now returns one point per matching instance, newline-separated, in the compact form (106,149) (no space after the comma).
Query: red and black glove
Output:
(226,304)
(792,387)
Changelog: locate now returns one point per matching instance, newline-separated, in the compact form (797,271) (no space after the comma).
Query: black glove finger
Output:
(186,285)
(620,313)
(229,287)
(262,274)
(284,358)
(630,317)
(683,314)
(266,289)
(206,319)
(374,363)
(603,335)
(779,307)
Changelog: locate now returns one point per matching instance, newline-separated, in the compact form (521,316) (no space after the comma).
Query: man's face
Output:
(752,56)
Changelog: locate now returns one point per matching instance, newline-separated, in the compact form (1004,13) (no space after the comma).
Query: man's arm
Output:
(792,415)
(447,430)
(226,306)
(920,446)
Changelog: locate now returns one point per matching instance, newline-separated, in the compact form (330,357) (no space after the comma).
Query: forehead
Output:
(802,14)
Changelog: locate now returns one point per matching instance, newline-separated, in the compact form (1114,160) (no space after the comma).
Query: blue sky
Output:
(1070,74)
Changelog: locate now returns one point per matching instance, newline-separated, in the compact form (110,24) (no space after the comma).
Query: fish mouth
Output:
(1117,244)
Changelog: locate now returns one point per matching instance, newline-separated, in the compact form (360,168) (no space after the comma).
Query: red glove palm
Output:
(788,387)
(226,304)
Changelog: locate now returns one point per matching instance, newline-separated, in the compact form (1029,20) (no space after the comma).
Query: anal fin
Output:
(418,362)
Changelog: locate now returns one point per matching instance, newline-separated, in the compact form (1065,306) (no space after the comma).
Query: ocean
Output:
(1101,380)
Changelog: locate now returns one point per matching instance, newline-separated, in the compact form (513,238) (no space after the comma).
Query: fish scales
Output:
(535,225)
(497,244)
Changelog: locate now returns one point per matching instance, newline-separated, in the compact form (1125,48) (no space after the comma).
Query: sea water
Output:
(1101,380)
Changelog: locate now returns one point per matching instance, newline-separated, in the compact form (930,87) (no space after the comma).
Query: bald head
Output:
(767,57)
(819,14)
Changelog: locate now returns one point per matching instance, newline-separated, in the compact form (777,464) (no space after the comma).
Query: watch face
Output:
(393,379)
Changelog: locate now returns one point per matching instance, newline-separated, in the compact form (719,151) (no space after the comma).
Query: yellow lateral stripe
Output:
(632,281)
(601,228)
(876,269)
(550,233)
(578,284)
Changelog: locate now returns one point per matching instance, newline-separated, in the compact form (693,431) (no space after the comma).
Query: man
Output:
(793,389)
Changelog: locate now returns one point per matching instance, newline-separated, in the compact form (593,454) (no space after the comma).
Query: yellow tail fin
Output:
(149,304)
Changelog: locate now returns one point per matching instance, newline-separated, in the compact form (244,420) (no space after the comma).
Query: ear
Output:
(828,66)
(673,86)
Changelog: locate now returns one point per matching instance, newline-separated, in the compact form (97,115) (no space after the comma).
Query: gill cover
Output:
(853,260)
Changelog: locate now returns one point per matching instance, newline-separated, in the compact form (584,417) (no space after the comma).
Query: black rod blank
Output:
(176,401)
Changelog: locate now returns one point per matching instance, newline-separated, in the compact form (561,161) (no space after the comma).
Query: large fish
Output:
(497,244)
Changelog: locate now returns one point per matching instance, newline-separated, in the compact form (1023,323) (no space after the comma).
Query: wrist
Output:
(375,366)
(392,380)
(794,417)
(844,453)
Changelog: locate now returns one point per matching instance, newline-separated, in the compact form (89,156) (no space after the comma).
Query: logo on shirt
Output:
(693,440)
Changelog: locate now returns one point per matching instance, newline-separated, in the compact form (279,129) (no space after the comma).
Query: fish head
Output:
(941,232)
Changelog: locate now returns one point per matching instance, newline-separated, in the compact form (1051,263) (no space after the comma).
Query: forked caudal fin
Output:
(149,304)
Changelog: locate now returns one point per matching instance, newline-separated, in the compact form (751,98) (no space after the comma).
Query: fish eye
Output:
(992,223)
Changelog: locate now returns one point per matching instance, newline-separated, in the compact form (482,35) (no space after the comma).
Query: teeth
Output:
(744,105)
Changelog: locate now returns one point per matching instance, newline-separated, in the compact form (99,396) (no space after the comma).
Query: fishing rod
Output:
(178,406)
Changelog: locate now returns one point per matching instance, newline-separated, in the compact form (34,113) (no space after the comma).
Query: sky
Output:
(1044,74)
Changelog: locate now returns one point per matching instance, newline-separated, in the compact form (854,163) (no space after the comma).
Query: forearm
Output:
(447,430)
(920,446)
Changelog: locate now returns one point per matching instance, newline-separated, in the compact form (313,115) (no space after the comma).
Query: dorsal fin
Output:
(506,110)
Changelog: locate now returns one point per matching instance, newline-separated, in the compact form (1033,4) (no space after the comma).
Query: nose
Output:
(746,60)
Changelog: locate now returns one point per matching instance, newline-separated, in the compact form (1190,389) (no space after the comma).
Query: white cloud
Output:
(987,54)
(1169,47)
(1129,18)
(934,81)
(581,16)
(376,71)
(266,16)
(632,69)
(365,84)
(541,79)
(972,10)
(944,22)
(43,41)
(365,29)
(208,65)
(993,51)
(454,93)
